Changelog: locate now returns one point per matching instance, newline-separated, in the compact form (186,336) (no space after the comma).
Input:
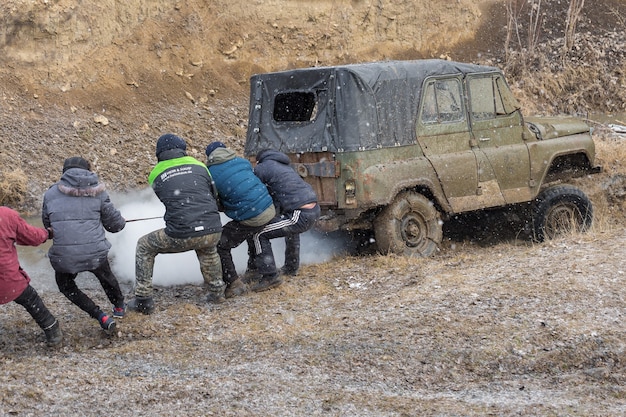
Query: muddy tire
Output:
(410,225)
(560,210)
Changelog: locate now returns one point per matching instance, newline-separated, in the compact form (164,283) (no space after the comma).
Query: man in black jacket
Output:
(192,221)
(296,202)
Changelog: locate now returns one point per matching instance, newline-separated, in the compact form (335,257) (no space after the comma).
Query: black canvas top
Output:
(359,106)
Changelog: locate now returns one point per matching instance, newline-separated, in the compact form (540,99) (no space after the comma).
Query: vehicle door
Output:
(443,133)
(497,129)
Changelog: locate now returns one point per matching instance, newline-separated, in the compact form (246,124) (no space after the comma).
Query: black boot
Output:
(143,305)
(215,297)
(30,300)
(54,336)
(266,282)
(236,288)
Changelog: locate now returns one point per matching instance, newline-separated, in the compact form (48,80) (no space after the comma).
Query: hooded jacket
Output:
(15,230)
(79,211)
(241,193)
(285,185)
(184,186)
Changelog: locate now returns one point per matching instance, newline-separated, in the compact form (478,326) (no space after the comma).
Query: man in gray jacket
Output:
(78,210)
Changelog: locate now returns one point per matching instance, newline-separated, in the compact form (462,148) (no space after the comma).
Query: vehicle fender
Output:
(383,182)
(544,152)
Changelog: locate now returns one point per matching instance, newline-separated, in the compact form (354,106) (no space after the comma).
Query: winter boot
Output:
(236,288)
(266,282)
(143,305)
(53,333)
(215,297)
(290,271)
(107,323)
(250,276)
(119,312)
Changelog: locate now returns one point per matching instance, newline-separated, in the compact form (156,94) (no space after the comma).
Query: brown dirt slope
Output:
(104,79)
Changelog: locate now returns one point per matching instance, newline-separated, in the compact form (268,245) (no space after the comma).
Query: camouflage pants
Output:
(154,243)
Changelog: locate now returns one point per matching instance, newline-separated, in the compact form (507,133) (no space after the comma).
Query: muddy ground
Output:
(502,328)
(491,325)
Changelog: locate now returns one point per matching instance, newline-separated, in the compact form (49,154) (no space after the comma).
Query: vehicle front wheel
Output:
(411,225)
(560,210)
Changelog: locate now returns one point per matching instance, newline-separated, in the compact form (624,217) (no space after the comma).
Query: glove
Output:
(50,233)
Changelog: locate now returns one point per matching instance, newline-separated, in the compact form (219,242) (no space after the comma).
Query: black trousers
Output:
(286,225)
(292,255)
(67,285)
(30,300)
(233,235)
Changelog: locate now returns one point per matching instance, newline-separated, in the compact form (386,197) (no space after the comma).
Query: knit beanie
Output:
(169,141)
(213,146)
(76,162)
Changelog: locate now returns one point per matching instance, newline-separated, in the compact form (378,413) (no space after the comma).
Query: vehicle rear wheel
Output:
(411,225)
(560,210)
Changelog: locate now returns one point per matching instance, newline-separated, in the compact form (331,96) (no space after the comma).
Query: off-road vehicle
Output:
(398,147)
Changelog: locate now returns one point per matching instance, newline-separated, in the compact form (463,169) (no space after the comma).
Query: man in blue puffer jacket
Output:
(243,198)
(296,202)
(78,210)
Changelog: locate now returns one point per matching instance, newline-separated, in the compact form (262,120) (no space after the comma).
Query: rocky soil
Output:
(491,325)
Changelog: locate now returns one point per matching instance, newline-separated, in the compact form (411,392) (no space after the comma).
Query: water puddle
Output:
(616,122)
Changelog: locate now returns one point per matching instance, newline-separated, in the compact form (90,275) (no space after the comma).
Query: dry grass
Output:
(504,329)
(13,186)
(610,151)
(608,190)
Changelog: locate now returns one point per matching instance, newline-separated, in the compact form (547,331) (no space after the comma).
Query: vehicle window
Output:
(429,109)
(490,97)
(482,98)
(509,102)
(295,106)
(442,102)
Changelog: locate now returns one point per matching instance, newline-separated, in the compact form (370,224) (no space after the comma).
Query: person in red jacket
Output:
(14,281)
